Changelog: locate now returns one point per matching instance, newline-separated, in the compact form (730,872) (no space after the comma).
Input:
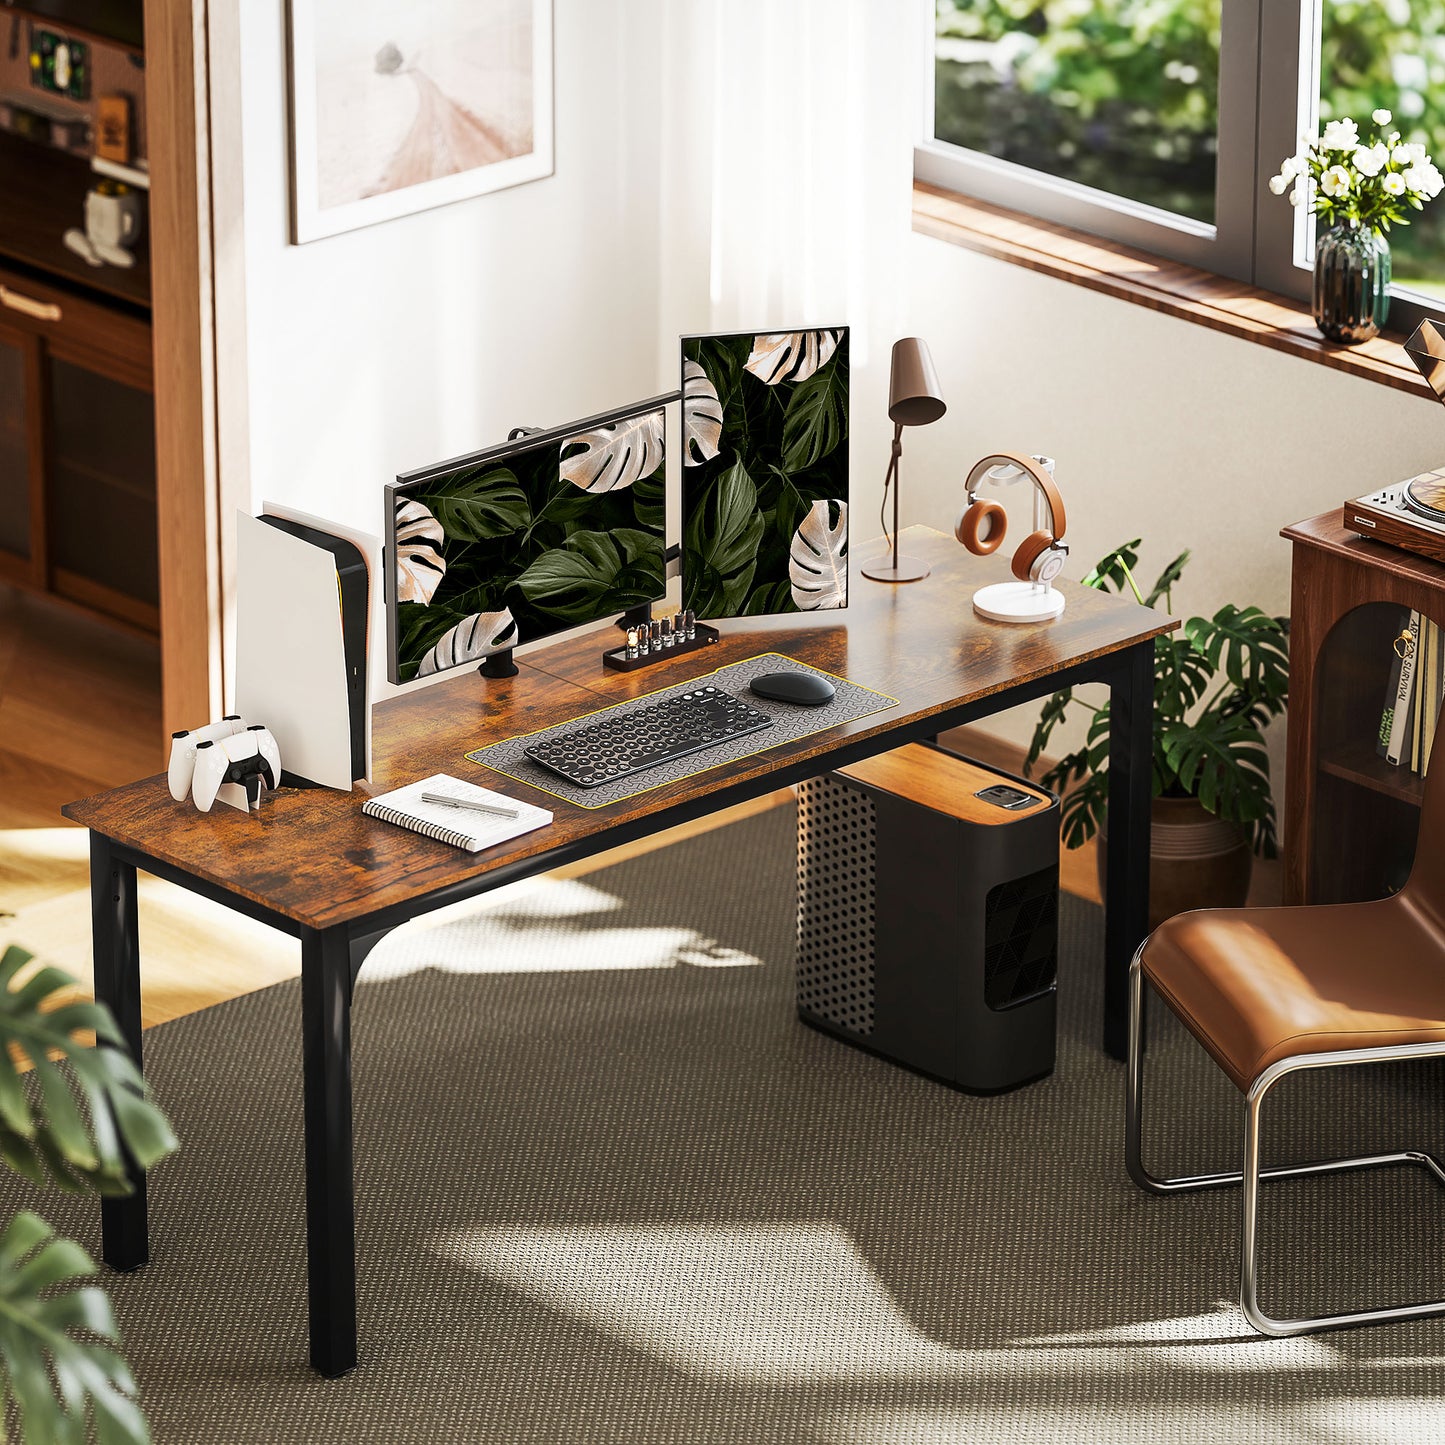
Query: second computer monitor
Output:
(765,472)
(544,533)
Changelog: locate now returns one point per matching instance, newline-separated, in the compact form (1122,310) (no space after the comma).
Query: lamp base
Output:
(1018,602)
(909,569)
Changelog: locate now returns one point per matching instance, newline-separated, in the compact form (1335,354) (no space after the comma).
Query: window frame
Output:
(1269,60)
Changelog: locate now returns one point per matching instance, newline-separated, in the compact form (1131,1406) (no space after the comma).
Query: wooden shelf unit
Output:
(1351,818)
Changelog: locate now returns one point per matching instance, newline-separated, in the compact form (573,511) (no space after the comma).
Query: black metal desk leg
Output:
(330,1226)
(1126,900)
(115,945)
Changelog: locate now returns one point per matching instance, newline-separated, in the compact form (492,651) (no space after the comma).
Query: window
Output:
(1159,122)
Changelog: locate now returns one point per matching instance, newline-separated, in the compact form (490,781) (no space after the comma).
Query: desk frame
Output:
(332,957)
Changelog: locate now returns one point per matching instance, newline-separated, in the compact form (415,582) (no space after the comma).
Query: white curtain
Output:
(789,161)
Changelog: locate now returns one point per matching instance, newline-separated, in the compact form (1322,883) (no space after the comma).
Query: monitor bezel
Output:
(731,332)
(405,481)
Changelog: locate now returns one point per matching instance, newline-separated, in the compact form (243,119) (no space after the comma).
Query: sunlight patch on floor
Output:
(542,926)
(799,1303)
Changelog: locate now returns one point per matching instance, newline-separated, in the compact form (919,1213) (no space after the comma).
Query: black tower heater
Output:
(928,892)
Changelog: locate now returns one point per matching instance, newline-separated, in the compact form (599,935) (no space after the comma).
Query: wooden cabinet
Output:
(1351,818)
(77,449)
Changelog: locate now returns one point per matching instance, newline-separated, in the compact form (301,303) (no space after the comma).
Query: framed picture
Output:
(398,108)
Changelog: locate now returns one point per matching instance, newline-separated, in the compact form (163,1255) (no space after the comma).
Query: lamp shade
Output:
(914,397)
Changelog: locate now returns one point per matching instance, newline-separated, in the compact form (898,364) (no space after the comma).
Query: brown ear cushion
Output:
(1029,552)
(981,528)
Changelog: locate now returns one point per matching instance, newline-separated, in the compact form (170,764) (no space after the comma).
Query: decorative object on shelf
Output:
(1040,557)
(914,399)
(1358,189)
(114,214)
(58,1337)
(59,64)
(113,129)
(1212,803)
(396,109)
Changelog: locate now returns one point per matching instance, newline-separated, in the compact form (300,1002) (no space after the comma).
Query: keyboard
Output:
(602,752)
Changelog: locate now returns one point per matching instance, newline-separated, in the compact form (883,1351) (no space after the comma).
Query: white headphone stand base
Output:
(1019,602)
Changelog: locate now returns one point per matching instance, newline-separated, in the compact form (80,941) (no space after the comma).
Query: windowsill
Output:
(1177,290)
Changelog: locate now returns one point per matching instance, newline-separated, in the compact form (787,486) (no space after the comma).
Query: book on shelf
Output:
(1416,697)
(1398,746)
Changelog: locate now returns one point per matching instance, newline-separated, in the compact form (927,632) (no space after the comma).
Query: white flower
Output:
(1341,135)
(1410,154)
(1279,184)
(1293,166)
(1380,117)
(1394,183)
(1335,181)
(1424,181)
(1370,160)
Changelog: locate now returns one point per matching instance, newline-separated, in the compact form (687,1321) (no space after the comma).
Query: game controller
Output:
(250,758)
(183,751)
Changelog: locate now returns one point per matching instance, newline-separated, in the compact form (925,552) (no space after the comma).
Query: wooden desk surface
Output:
(312,856)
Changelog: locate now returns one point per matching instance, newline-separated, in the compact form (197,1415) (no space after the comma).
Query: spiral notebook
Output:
(457,826)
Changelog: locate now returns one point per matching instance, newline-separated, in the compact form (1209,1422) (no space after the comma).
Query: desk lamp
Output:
(914,399)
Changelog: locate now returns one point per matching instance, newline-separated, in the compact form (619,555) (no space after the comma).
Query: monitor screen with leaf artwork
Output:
(765,472)
(550,531)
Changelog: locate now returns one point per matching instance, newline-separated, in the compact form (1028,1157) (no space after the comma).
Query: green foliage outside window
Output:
(1121,95)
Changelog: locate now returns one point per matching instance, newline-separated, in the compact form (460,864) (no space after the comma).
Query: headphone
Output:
(982,524)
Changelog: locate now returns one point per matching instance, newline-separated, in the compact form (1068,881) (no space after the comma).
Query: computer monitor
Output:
(765,472)
(546,532)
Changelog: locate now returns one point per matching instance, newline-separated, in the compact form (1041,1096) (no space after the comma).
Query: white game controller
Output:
(250,758)
(183,751)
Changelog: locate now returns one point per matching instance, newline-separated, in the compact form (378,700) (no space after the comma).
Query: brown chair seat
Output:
(1256,985)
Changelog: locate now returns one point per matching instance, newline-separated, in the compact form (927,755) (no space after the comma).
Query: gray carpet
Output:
(610,1190)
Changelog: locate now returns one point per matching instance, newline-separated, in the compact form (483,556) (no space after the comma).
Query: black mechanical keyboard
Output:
(619,746)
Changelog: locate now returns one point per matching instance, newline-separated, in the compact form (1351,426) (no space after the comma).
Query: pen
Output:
(471,807)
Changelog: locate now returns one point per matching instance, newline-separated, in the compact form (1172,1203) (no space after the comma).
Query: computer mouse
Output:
(806,689)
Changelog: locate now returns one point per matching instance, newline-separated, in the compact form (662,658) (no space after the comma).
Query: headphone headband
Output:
(1058,521)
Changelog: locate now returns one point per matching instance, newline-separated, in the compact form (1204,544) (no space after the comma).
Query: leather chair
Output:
(1271,991)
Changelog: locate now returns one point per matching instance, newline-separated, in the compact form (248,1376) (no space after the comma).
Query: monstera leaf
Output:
(816,421)
(420,565)
(615,455)
(818,558)
(723,536)
(595,572)
(702,416)
(470,640)
(790,355)
(56,1343)
(55,1139)
(476,509)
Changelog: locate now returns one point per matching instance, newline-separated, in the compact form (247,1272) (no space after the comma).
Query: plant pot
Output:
(1195,860)
(1352,282)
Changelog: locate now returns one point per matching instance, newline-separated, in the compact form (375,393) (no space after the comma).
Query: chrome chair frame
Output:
(1251,1174)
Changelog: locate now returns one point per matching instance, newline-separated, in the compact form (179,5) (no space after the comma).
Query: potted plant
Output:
(87,1109)
(1217,683)
(1358,188)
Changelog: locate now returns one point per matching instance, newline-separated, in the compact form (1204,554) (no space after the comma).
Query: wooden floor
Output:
(80,712)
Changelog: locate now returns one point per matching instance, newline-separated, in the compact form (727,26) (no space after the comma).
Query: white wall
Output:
(404,343)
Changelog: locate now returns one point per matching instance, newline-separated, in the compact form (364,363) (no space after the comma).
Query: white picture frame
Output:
(365,78)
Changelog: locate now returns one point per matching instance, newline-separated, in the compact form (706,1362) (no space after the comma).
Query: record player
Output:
(1410,514)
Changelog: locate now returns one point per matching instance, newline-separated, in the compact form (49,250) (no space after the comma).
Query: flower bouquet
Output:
(1358,188)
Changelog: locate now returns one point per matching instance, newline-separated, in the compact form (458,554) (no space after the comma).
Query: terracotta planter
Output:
(1195,860)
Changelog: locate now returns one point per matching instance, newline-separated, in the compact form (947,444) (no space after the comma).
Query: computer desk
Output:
(311,865)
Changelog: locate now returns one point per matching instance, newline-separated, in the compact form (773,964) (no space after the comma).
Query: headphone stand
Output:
(1019,602)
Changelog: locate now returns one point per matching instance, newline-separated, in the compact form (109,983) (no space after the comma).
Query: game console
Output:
(183,751)
(250,759)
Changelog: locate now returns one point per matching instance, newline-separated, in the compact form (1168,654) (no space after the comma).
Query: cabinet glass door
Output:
(102,474)
(14,453)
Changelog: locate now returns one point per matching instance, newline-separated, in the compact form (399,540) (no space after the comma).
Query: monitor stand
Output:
(499,664)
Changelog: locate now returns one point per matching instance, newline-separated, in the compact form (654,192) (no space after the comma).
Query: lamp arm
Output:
(890,478)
